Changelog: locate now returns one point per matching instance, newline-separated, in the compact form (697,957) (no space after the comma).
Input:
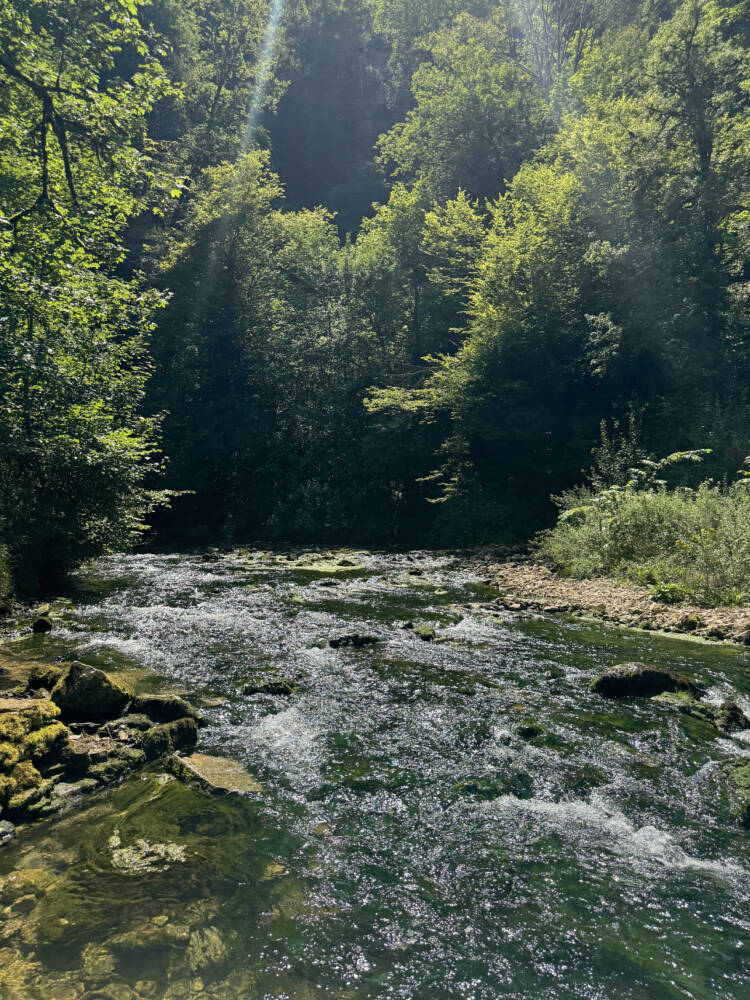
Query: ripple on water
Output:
(449,820)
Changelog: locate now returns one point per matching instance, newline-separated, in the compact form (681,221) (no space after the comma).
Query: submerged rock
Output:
(143,856)
(738,773)
(514,782)
(638,680)
(354,641)
(279,686)
(206,947)
(41,626)
(728,717)
(87,693)
(425,632)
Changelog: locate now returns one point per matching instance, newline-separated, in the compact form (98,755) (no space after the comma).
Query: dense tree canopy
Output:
(461,236)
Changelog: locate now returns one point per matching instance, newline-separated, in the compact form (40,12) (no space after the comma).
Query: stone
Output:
(205,948)
(425,632)
(87,693)
(71,790)
(117,767)
(163,740)
(144,856)
(217,775)
(280,687)
(738,773)
(48,743)
(638,680)
(728,717)
(44,675)
(9,755)
(163,708)
(529,732)
(7,831)
(41,626)
(354,641)
(25,882)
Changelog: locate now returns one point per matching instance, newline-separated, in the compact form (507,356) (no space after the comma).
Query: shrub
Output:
(683,543)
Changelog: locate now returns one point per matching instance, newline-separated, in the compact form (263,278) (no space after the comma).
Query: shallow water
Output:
(408,841)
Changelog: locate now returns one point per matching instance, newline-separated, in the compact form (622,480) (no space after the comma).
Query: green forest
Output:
(382,272)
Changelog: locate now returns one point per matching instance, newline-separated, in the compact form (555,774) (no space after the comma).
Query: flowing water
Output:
(451,820)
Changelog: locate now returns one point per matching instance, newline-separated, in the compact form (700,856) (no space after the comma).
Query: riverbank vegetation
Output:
(373,271)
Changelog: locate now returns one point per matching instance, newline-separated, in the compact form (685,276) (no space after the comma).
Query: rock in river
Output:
(84,692)
(217,775)
(354,641)
(638,680)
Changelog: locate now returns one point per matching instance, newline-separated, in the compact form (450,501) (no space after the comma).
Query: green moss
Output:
(47,741)
(163,740)
(425,632)
(739,790)
(25,776)
(9,755)
(13,727)
(41,714)
(45,675)
(7,788)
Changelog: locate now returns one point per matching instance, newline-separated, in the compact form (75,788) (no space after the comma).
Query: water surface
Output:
(449,820)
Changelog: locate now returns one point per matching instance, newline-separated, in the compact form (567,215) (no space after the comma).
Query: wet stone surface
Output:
(453,818)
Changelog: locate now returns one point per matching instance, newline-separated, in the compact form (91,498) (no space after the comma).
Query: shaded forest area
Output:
(381,271)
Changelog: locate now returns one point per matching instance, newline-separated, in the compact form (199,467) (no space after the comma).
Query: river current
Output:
(455,819)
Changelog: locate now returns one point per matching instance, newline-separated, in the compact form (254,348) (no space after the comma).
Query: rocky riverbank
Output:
(69,729)
(527,586)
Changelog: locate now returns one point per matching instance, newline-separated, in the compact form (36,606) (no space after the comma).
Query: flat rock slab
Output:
(220,774)
(18,704)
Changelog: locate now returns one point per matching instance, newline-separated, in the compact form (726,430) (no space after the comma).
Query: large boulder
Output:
(163,708)
(638,680)
(84,692)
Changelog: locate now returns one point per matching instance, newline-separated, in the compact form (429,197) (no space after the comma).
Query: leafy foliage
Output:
(74,167)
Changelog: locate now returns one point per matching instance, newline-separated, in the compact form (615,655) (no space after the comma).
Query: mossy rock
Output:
(25,776)
(45,675)
(9,755)
(425,632)
(163,740)
(117,767)
(21,802)
(50,742)
(738,774)
(164,708)
(515,782)
(281,687)
(41,713)
(728,717)
(85,693)
(13,728)
(638,680)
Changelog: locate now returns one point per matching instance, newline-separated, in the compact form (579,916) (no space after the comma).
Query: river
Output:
(458,819)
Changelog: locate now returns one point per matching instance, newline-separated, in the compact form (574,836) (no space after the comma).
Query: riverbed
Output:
(437,817)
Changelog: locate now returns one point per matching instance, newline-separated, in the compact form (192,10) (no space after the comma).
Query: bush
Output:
(683,543)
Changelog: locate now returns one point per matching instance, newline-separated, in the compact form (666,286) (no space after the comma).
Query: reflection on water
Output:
(437,820)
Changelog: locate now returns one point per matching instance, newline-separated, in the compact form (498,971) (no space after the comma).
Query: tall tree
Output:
(75,165)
